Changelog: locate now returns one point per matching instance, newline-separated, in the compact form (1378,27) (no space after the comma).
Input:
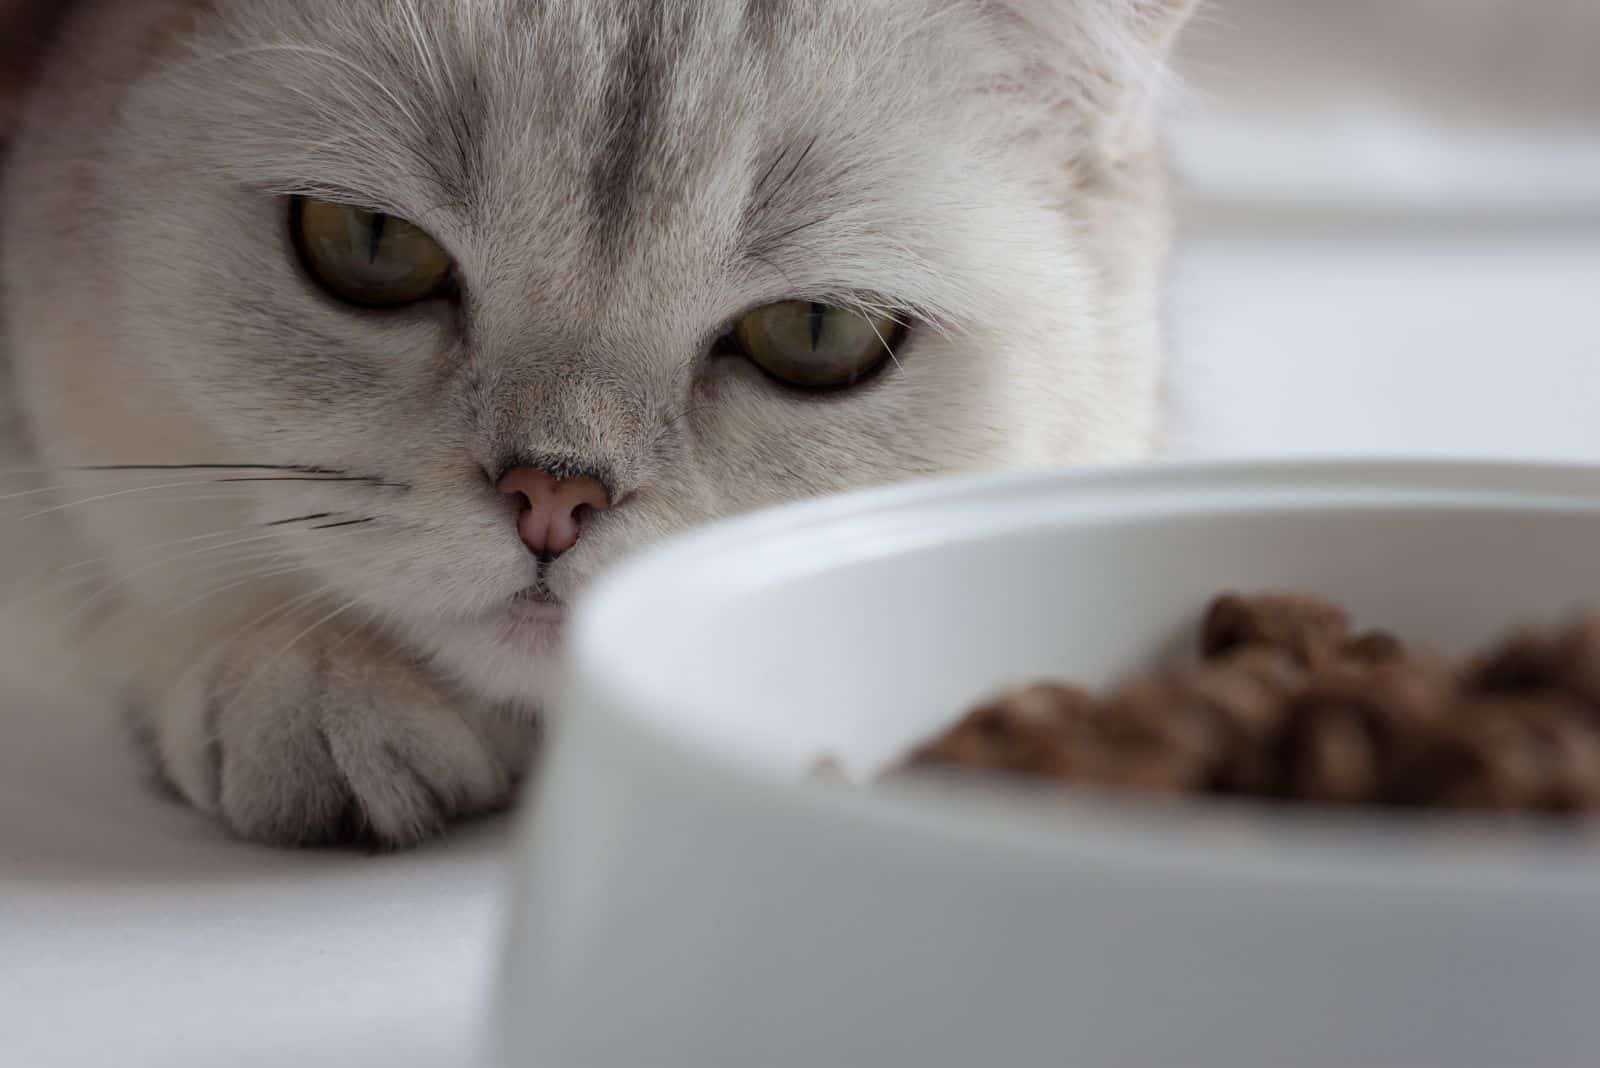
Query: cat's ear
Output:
(25,29)
(1156,26)
(1108,60)
(1158,22)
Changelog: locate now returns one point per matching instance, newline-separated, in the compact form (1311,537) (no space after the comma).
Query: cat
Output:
(349,339)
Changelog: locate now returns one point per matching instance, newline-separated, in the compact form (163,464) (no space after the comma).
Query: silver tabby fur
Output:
(616,180)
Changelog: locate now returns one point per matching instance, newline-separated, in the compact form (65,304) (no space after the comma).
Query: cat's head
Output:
(713,254)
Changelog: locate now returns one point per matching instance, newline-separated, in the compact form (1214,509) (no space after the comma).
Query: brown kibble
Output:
(1510,767)
(1244,701)
(1309,629)
(1023,731)
(1580,667)
(1375,648)
(1329,753)
(1528,752)
(1287,704)
(1337,737)
(1156,740)
(1529,661)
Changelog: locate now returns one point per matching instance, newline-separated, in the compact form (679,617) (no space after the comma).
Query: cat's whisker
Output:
(349,605)
(148,502)
(156,546)
(110,586)
(42,491)
(102,497)
(301,519)
(348,523)
(142,495)
(299,469)
(66,580)
(368,480)
(237,571)
(276,568)
(153,483)
(304,601)
(69,571)
(168,561)
(273,566)
(266,618)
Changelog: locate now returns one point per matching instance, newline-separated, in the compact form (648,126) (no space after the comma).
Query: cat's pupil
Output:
(817,315)
(375,237)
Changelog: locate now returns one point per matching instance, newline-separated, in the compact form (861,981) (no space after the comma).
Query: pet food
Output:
(1286,702)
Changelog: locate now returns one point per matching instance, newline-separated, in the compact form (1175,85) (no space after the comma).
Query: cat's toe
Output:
(349,752)
(411,772)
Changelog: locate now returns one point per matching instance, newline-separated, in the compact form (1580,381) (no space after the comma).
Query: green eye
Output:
(377,261)
(816,346)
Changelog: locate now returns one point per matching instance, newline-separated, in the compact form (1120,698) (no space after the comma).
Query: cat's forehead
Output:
(622,107)
(612,157)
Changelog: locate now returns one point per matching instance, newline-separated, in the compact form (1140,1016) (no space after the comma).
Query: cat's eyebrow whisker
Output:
(886,346)
(784,235)
(787,178)
(291,48)
(777,161)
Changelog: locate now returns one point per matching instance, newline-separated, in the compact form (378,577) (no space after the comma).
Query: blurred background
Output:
(1391,217)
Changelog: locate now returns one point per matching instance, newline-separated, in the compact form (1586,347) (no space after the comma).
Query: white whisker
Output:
(112,496)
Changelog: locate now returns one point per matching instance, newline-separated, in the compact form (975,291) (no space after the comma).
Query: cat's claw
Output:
(344,742)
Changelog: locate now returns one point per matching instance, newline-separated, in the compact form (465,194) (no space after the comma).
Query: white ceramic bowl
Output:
(687,896)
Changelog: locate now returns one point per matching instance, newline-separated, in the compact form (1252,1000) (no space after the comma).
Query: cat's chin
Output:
(511,653)
(531,624)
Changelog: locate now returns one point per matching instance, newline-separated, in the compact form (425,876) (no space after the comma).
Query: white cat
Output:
(351,338)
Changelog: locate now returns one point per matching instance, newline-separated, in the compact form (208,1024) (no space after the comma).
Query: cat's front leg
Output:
(333,737)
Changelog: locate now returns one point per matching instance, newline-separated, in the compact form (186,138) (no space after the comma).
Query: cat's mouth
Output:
(537,594)
(531,621)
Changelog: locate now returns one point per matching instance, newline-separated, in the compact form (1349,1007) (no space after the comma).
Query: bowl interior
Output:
(857,630)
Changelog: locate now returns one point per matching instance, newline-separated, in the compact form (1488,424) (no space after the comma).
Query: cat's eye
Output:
(816,346)
(366,258)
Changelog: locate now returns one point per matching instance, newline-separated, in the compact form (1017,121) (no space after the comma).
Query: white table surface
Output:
(133,933)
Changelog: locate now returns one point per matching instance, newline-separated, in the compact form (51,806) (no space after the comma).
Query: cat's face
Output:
(602,192)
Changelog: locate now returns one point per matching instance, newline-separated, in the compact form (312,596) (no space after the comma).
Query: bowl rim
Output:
(1298,840)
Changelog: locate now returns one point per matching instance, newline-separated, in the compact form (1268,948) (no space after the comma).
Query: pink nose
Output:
(552,509)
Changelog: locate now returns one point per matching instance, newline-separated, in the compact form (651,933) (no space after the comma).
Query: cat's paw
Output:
(343,742)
